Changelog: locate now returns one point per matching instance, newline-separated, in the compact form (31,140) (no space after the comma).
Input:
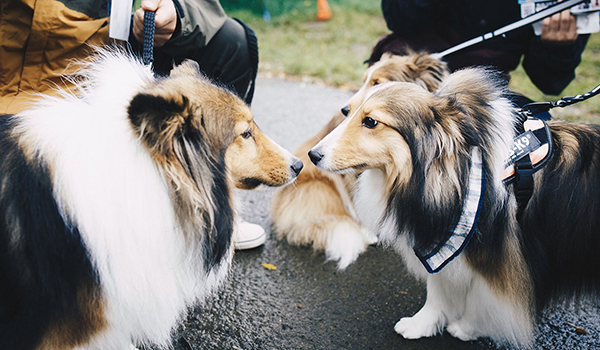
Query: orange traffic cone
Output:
(323,10)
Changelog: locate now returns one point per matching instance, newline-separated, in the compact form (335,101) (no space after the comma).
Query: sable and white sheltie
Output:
(115,204)
(414,149)
(318,209)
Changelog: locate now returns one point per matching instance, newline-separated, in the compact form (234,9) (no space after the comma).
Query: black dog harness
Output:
(533,147)
(530,152)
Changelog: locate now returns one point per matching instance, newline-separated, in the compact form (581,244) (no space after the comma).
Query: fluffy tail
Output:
(342,238)
(315,211)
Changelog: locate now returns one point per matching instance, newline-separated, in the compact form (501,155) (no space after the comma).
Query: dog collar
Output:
(464,228)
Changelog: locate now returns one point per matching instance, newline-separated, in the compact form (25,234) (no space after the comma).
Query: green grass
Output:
(296,46)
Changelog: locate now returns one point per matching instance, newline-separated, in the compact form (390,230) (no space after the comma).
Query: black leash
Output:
(148,49)
(534,108)
(518,24)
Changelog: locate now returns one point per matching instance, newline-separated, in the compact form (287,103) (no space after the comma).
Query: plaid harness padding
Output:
(462,231)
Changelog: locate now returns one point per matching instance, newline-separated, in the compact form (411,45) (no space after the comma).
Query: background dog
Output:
(116,204)
(417,152)
(318,209)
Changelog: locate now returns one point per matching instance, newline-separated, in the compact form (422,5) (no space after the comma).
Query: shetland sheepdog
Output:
(318,209)
(116,207)
(421,156)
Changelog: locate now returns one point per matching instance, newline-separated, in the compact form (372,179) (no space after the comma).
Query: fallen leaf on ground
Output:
(578,329)
(269,266)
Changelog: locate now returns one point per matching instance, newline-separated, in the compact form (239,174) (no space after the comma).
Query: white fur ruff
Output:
(108,186)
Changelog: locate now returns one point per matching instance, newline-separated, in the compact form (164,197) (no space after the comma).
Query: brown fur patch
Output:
(419,68)
(77,330)
(568,143)
(188,105)
(255,159)
(508,276)
(361,147)
(187,123)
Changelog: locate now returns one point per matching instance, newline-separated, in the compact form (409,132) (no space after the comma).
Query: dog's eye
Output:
(375,82)
(247,134)
(369,122)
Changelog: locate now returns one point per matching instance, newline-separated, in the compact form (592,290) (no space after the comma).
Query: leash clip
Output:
(534,108)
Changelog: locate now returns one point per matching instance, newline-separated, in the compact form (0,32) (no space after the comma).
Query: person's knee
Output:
(234,60)
(231,42)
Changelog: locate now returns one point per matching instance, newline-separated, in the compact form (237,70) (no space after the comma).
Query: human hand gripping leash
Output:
(518,24)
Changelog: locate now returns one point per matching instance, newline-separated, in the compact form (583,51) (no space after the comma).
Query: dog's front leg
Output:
(430,320)
(491,314)
(479,308)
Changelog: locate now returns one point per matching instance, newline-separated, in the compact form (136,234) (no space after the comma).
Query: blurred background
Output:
(294,44)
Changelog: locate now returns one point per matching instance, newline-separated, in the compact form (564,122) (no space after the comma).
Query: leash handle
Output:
(148,49)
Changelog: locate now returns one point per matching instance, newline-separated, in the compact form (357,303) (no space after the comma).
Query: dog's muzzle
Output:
(297,166)
(346,110)
(315,156)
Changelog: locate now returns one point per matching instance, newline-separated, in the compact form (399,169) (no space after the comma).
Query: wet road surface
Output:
(306,303)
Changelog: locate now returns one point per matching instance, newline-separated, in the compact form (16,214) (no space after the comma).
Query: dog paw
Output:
(345,244)
(416,327)
(461,332)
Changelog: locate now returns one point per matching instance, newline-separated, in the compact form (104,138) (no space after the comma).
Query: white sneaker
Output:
(248,236)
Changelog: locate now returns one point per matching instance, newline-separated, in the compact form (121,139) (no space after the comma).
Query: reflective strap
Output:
(464,228)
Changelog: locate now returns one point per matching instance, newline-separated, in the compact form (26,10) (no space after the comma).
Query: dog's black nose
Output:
(315,156)
(345,111)
(297,166)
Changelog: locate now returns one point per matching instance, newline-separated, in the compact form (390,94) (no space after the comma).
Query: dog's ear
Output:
(186,68)
(158,118)
(455,122)
(155,110)
(431,71)
(424,60)
(476,97)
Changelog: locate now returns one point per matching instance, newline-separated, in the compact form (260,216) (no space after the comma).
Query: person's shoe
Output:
(248,236)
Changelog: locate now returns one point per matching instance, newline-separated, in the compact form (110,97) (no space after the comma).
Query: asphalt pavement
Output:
(306,303)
